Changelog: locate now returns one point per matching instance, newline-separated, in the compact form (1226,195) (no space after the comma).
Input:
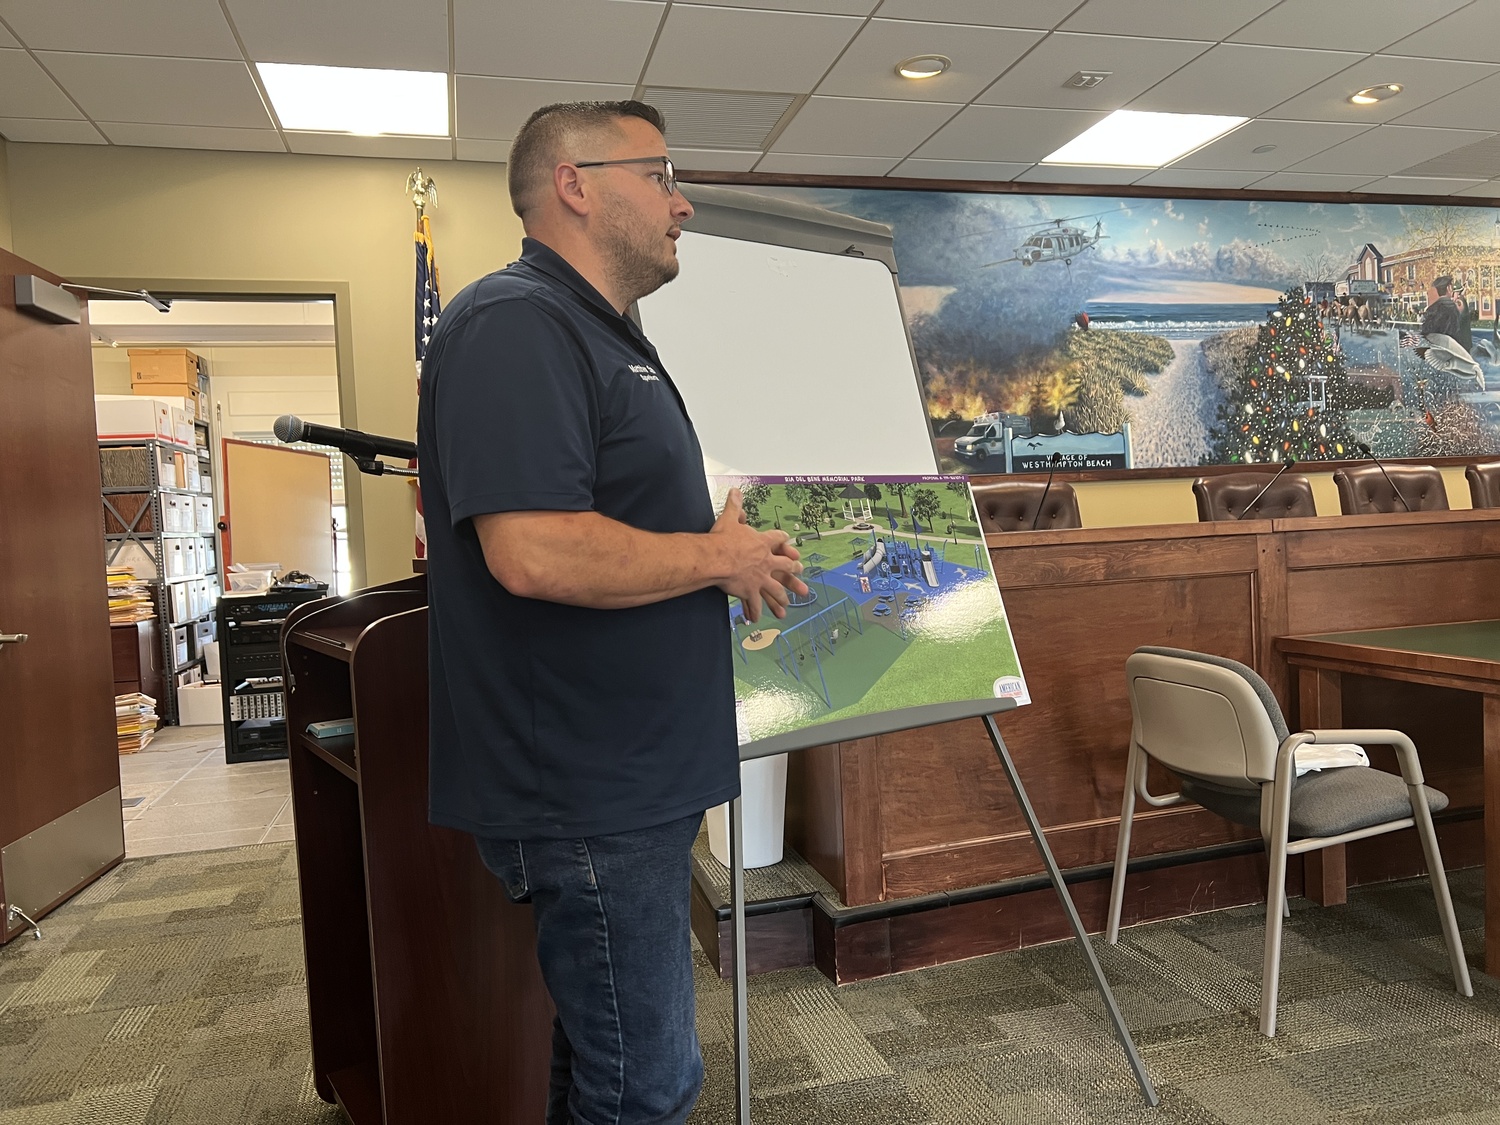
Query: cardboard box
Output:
(203,515)
(177,594)
(200,705)
(180,646)
(164,365)
(125,417)
(182,426)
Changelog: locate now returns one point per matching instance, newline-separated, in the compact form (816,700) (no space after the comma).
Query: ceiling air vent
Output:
(1478,161)
(718,119)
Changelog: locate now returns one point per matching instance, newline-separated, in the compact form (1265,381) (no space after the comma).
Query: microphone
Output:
(356,443)
(1052,464)
(1365,449)
(1290,461)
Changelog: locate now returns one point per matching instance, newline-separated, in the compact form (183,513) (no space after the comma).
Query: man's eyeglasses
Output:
(667,178)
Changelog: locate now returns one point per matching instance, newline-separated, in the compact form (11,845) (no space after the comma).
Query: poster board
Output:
(903,624)
(278,507)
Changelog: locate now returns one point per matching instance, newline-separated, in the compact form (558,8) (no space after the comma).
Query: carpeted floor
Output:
(172,991)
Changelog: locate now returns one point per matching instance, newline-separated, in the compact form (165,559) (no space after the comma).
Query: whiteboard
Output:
(791,361)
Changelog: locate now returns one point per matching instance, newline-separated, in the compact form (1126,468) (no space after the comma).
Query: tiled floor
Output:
(193,800)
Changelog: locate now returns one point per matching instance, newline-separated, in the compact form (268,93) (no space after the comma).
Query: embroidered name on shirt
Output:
(647,374)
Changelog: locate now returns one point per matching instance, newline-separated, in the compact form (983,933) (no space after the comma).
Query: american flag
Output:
(428,305)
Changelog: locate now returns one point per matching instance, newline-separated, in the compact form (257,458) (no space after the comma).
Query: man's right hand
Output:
(760,567)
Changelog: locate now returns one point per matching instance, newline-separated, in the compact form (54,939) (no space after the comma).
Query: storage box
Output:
(200,705)
(177,596)
(121,417)
(165,365)
(182,425)
(203,515)
(180,654)
(175,560)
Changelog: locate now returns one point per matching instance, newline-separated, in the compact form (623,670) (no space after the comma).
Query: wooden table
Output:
(1464,655)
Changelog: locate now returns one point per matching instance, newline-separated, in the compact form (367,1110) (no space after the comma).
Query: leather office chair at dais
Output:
(1484,484)
(1369,488)
(1214,723)
(1013,506)
(1227,496)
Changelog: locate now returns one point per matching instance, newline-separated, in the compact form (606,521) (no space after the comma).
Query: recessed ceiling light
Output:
(1372,94)
(1263,148)
(345,99)
(923,66)
(1135,139)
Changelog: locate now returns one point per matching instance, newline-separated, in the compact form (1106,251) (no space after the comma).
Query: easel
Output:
(817,736)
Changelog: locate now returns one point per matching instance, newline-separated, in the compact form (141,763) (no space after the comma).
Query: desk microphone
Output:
(1052,463)
(1365,449)
(1287,464)
(356,443)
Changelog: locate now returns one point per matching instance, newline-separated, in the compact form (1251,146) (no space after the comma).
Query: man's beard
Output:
(626,243)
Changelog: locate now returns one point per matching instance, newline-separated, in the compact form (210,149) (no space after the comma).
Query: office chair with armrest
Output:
(1484,484)
(1012,506)
(1224,497)
(1364,489)
(1215,724)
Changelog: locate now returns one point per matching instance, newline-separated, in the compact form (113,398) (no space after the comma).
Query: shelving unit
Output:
(166,535)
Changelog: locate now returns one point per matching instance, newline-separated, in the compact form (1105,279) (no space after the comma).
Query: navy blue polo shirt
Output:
(546,719)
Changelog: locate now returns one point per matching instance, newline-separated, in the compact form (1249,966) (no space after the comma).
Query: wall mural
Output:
(1146,333)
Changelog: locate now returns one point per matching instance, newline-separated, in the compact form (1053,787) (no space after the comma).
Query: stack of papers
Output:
(135,721)
(129,597)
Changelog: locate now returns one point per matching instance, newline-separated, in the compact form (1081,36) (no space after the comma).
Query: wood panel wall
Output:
(929,810)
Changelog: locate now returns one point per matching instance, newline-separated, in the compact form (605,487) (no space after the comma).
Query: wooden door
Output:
(60,823)
(278,508)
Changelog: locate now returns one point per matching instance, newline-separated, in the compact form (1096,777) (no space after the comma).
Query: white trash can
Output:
(763,801)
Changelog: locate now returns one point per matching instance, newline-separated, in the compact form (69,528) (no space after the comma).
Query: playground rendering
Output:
(902,607)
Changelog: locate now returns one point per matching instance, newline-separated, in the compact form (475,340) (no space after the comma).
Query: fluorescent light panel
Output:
(1131,138)
(346,99)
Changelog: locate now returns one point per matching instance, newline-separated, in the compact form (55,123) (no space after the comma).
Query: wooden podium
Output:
(424,996)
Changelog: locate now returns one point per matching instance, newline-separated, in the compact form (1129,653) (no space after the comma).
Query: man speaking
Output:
(582,706)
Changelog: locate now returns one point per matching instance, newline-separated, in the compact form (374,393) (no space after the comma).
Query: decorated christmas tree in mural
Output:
(1292,395)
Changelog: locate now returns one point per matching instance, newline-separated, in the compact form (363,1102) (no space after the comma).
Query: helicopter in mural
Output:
(1057,241)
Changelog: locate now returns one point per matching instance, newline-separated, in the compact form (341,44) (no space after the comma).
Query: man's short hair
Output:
(1443,284)
(550,136)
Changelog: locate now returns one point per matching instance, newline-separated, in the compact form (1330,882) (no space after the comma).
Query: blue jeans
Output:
(612,937)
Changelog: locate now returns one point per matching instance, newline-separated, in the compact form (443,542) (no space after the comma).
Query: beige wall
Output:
(152,215)
(5,236)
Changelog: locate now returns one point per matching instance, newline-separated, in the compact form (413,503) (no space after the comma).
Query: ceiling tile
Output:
(862,127)
(26,91)
(868,68)
(1135,65)
(161,91)
(59,132)
(1352,25)
(1198,178)
(993,170)
(1241,80)
(1425,80)
(1419,185)
(496,108)
(382,34)
(1311,181)
(1477,161)
(1189,21)
(984,132)
(711,160)
(1078,174)
(806,165)
(1490,190)
(495,152)
(742,49)
(1294,141)
(7,39)
(1473,107)
(192,136)
(1043,14)
(827,7)
(347,144)
(182,28)
(1469,33)
(607,40)
(1388,149)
